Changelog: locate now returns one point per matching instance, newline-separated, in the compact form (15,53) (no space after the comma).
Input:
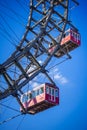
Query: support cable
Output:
(8,39)
(9,107)
(12,18)
(11,10)
(11,118)
(9,27)
(20,122)
(58,63)
(22,6)
(2,27)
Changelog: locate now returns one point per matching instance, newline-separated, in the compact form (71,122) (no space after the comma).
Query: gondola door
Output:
(52,94)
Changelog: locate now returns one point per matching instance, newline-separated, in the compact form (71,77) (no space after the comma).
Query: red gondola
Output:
(40,98)
(70,41)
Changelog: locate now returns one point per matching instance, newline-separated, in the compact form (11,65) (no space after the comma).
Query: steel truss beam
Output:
(39,27)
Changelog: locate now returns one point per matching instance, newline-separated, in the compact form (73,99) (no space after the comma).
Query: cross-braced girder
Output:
(46,22)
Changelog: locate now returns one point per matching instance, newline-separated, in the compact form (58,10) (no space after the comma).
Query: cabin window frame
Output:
(25,96)
(33,94)
(53,91)
(41,90)
(29,96)
(36,92)
(75,35)
(47,89)
(72,34)
(78,37)
(56,93)
(50,90)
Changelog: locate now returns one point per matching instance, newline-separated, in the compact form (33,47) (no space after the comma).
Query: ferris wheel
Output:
(46,37)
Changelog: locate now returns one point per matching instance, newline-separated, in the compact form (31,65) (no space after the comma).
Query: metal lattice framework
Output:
(34,44)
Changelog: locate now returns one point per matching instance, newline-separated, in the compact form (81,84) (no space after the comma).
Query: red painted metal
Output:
(41,101)
(70,41)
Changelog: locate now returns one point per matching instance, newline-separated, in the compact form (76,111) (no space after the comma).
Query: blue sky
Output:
(71,113)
